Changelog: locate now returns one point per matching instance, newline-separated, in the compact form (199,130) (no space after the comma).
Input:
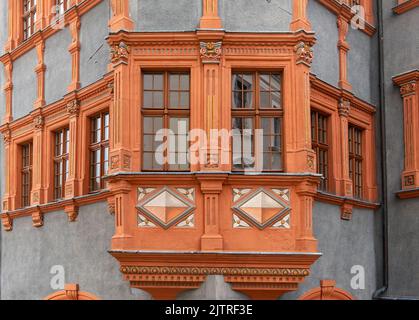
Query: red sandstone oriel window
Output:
(256,104)
(62,143)
(319,136)
(355,159)
(29,18)
(99,150)
(165,105)
(26,174)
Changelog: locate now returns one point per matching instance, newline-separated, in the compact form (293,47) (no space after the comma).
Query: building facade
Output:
(209,149)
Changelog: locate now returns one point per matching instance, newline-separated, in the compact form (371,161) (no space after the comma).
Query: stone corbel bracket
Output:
(260,276)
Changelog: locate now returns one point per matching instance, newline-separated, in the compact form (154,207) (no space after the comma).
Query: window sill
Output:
(70,205)
(408,194)
(406,6)
(345,203)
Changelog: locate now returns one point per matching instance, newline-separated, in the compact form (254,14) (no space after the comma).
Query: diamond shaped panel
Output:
(261,207)
(165,207)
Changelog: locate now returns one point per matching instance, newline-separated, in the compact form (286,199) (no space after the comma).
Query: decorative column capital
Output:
(73,108)
(344,108)
(408,88)
(38,122)
(304,53)
(119,53)
(210,51)
(7,136)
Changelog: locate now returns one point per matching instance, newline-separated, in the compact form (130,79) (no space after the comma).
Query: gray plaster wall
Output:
(94,54)
(163,15)
(58,62)
(256,16)
(80,247)
(361,61)
(344,244)
(401,47)
(24,84)
(326,59)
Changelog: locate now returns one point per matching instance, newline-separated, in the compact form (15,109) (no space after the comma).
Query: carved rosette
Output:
(304,53)
(210,51)
(119,53)
(344,108)
(408,89)
(73,108)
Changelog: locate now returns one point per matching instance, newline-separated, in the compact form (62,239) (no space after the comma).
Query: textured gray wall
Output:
(249,15)
(24,84)
(326,59)
(163,15)
(80,247)
(343,244)
(360,58)
(401,47)
(58,62)
(94,54)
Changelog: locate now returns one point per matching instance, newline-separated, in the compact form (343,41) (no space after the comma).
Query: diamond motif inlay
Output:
(261,207)
(165,207)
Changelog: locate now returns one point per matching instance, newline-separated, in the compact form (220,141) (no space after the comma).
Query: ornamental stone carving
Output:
(304,53)
(408,88)
(38,122)
(344,108)
(210,51)
(73,107)
(119,52)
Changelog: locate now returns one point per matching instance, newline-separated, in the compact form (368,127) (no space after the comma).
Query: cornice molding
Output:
(259,275)
(406,6)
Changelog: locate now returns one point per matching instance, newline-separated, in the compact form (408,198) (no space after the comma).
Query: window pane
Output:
(148,82)
(243,143)
(158,82)
(184,82)
(174,81)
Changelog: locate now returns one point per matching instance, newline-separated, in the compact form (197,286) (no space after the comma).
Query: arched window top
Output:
(327,291)
(71,292)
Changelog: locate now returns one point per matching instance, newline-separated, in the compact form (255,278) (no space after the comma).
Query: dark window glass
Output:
(99,150)
(257,105)
(61,162)
(29,18)
(26,174)
(319,136)
(356,159)
(166,103)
